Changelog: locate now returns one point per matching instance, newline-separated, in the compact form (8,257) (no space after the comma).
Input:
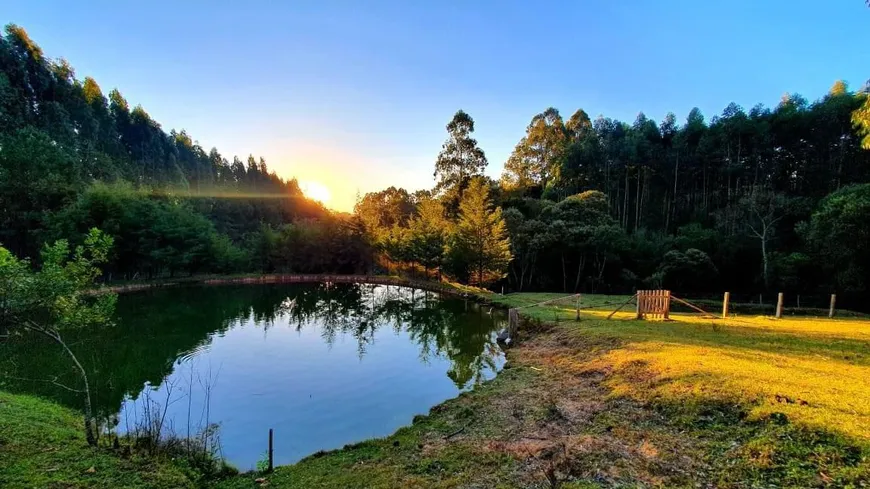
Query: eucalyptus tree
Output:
(459,160)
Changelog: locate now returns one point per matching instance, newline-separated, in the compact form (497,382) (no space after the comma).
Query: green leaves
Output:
(459,161)
(55,296)
(839,236)
(861,120)
(480,245)
(537,158)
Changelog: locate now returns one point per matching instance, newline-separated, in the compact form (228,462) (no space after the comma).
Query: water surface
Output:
(323,365)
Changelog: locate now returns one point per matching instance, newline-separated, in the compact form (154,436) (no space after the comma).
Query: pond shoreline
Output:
(448,288)
(595,404)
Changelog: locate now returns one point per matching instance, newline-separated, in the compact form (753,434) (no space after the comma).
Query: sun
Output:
(316,191)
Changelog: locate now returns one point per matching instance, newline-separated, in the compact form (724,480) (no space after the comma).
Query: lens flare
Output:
(316,191)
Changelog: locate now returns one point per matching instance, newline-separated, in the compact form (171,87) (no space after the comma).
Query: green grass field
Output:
(738,403)
(43,445)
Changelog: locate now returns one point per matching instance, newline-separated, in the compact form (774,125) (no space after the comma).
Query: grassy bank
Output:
(42,444)
(747,402)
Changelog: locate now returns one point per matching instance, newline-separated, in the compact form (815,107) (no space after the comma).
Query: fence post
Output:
(833,303)
(577,318)
(667,304)
(799,300)
(725,302)
(271,460)
(779,306)
(640,298)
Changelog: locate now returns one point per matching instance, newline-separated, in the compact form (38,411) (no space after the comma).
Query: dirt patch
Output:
(566,425)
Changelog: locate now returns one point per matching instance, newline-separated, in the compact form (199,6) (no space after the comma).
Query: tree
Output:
(384,210)
(689,271)
(55,299)
(582,231)
(861,120)
(459,161)
(760,211)
(37,177)
(480,242)
(527,241)
(839,237)
(537,157)
(428,234)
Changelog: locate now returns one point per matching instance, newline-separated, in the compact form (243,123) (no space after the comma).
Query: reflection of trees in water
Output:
(159,329)
(449,328)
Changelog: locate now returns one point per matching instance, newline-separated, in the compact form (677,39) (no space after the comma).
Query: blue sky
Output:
(356,94)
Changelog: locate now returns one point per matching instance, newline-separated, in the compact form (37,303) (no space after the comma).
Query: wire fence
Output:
(765,304)
(567,307)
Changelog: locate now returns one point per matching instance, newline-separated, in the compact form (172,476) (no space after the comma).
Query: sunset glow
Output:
(316,191)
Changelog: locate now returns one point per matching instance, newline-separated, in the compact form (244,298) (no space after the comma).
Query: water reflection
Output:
(367,357)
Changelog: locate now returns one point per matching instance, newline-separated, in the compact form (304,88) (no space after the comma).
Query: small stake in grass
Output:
(779,299)
(833,302)
(577,318)
(725,304)
(271,466)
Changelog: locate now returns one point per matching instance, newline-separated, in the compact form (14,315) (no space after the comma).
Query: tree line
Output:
(749,201)
(72,158)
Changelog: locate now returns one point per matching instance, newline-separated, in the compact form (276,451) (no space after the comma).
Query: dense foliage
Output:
(770,199)
(764,200)
(72,158)
(54,300)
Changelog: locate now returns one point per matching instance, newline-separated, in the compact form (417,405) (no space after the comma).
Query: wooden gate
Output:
(655,304)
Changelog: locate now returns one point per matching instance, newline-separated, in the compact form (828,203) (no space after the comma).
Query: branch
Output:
(48,381)
(760,236)
(51,333)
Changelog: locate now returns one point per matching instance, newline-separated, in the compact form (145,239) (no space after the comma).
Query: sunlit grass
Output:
(815,371)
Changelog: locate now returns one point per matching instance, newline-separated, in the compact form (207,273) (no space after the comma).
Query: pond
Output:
(324,365)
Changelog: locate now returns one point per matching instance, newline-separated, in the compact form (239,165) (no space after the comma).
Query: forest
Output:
(751,201)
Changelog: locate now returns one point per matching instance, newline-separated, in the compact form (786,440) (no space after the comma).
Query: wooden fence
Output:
(655,304)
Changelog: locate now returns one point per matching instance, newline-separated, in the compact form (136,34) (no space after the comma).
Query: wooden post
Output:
(725,302)
(502,290)
(577,318)
(271,459)
(640,298)
(833,303)
(667,304)
(799,300)
(779,306)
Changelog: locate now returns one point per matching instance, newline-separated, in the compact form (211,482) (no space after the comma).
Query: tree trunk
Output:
(580,267)
(674,201)
(764,261)
(625,206)
(90,429)
(637,202)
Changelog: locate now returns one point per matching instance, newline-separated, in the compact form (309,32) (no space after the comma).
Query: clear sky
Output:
(355,95)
